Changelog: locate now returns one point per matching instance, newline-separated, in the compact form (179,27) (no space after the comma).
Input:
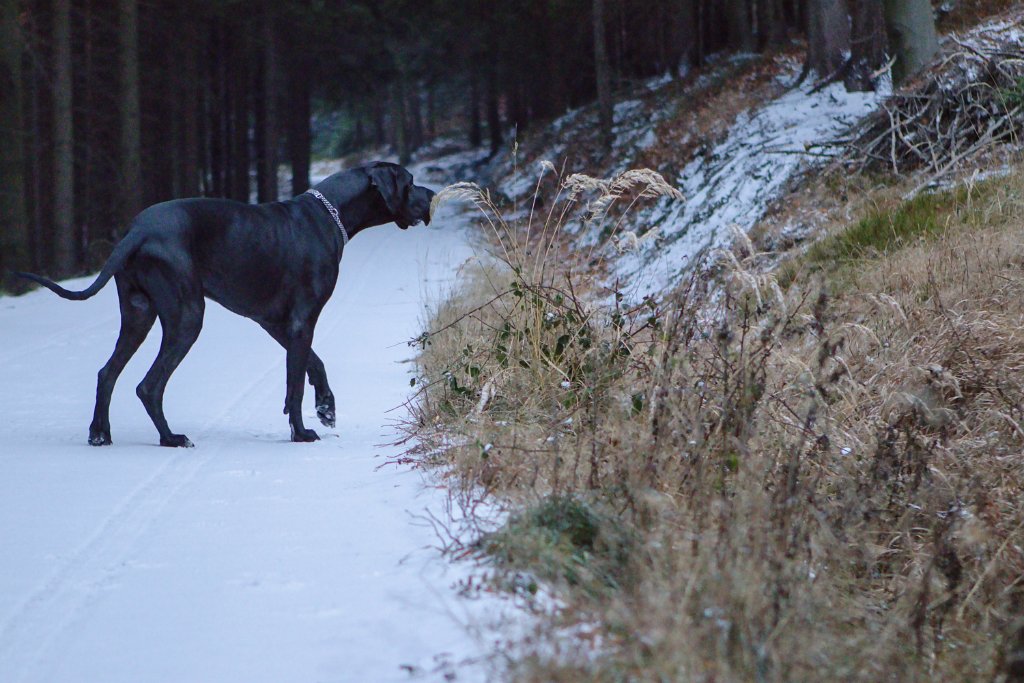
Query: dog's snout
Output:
(429,199)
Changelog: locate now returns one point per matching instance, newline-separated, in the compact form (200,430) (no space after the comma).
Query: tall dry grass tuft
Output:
(815,483)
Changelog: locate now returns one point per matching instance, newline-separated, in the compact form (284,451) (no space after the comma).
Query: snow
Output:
(248,558)
(734,183)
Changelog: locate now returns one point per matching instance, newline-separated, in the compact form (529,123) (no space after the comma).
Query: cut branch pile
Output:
(969,102)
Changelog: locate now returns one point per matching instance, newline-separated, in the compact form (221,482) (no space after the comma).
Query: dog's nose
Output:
(430,202)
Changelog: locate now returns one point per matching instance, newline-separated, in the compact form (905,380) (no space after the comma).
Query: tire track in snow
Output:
(27,635)
(59,601)
(34,348)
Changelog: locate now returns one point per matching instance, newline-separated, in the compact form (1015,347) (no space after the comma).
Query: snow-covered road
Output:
(248,558)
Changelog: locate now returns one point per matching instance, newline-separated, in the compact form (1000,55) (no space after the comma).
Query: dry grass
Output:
(812,484)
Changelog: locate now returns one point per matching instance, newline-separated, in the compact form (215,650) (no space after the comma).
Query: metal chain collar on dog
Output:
(334,214)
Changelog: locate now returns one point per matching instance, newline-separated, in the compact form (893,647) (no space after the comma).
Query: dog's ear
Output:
(393,183)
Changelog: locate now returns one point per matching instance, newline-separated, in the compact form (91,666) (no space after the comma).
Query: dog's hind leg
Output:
(317,374)
(137,317)
(179,303)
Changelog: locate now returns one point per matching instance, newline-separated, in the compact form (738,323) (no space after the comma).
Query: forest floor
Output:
(248,558)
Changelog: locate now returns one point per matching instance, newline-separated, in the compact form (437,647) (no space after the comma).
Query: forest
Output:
(109,106)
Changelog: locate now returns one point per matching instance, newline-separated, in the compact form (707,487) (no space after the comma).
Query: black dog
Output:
(275,263)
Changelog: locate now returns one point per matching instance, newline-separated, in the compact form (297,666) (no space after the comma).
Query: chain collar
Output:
(334,214)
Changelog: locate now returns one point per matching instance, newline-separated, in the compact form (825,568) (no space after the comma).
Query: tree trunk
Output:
(602,70)
(380,136)
(63,202)
(131,154)
(700,21)
(415,109)
(131,119)
(39,168)
(267,162)
(828,36)
(741,37)
(431,121)
(299,136)
(493,113)
(240,98)
(517,109)
(910,25)
(401,122)
(476,135)
(14,236)
(771,23)
(215,114)
(867,44)
(191,98)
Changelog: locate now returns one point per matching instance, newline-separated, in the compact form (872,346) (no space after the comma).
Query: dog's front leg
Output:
(314,369)
(324,396)
(298,358)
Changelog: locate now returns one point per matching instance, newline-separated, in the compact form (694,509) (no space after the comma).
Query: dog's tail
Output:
(124,249)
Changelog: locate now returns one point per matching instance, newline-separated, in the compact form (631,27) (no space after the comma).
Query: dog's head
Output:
(408,204)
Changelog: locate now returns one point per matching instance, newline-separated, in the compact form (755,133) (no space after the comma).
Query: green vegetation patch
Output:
(889,227)
(1013,97)
(563,538)
(885,229)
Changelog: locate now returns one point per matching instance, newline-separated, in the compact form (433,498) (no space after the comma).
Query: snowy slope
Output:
(248,558)
(734,183)
(728,185)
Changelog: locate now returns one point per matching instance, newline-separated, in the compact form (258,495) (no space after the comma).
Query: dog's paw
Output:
(326,415)
(304,435)
(177,441)
(100,439)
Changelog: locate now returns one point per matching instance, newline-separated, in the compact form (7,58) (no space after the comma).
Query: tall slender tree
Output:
(867,44)
(189,94)
(300,96)
(131,114)
(828,36)
(741,30)
(63,207)
(14,238)
(912,37)
(603,72)
(266,172)
(476,135)
(771,23)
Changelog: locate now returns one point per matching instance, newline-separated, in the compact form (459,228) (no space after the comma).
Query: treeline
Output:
(107,106)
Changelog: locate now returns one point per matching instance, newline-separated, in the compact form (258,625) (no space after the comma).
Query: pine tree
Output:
(13,216)
(63,207)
